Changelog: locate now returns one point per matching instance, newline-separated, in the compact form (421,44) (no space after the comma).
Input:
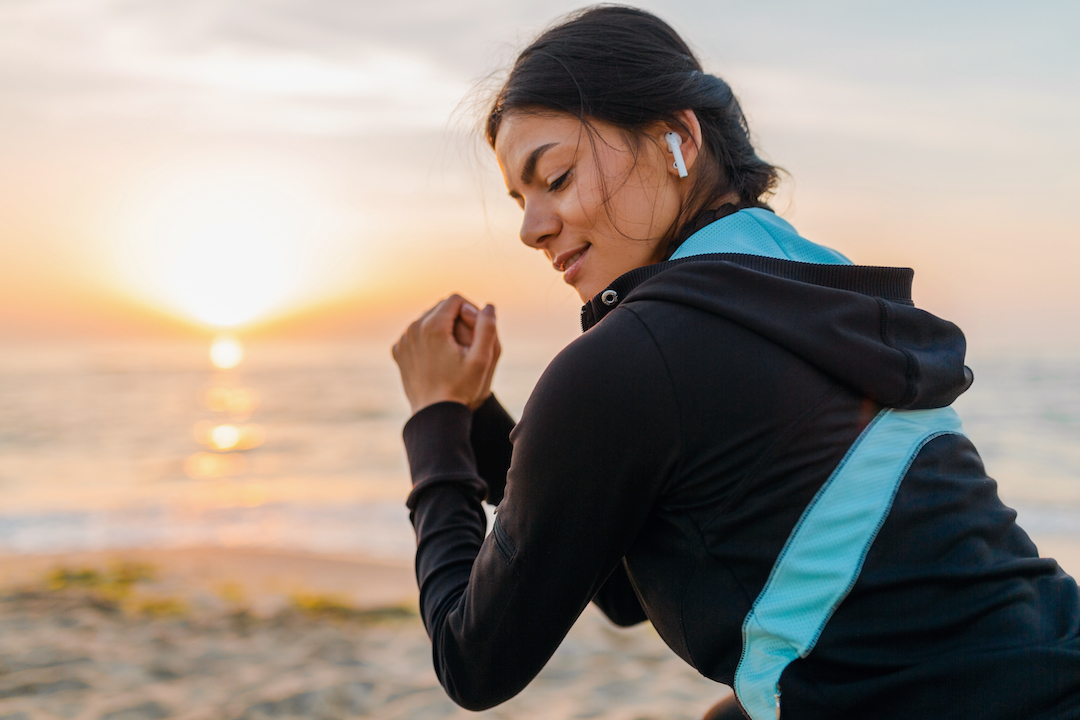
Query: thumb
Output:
(484,336)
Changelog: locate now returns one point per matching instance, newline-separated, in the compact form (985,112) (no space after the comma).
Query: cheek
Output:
(637,208)
(592,201)
(583,207)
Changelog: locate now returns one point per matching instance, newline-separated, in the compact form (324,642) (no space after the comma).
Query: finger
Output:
(466,324)
(441,317)
(490,374)
(451,305)
(463,333)
(485,336)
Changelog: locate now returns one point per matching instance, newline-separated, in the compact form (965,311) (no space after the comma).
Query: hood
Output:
(855,323)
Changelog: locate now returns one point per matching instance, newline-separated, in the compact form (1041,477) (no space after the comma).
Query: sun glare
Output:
(226,352)
(225,248)
(229,272)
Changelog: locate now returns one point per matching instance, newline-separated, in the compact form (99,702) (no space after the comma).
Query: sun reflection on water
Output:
(236,402)
(226,437)
(209,466)
(226,352)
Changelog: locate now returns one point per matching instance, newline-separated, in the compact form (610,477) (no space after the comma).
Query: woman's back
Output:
(950,588)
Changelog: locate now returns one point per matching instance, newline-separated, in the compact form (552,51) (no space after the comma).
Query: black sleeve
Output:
(490,440)
(596,444)
(618,600)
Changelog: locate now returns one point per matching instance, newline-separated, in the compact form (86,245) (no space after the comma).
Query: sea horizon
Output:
(101,444)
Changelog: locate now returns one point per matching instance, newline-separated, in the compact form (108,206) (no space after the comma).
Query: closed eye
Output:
(559,182)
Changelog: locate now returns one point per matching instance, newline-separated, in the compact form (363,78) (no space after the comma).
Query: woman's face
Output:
(593,208)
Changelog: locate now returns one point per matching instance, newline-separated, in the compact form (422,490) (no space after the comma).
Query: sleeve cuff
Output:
(438,448)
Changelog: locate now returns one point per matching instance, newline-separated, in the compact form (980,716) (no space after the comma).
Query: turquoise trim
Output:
(824,555)
(755,231)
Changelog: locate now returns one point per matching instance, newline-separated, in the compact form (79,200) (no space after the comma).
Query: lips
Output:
(569,258)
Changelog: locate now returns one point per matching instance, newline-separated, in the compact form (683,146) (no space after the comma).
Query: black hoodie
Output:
(665,457)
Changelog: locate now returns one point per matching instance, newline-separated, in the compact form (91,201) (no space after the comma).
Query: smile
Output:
(570,262)
(565,261)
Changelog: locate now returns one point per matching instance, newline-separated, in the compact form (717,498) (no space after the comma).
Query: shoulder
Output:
(613,373)
(620,345)
(604,409)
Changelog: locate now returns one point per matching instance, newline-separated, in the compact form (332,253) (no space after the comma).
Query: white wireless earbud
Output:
(674,143)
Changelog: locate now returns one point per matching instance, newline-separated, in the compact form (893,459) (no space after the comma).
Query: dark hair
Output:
(630,69)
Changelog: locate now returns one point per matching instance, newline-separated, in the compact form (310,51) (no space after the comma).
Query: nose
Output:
(539,225)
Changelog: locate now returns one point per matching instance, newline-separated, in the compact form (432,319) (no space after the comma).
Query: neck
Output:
(732,198)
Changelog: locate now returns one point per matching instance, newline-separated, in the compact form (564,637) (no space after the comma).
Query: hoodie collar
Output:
(756,231)
(884,282)
(855,323)
(733,234)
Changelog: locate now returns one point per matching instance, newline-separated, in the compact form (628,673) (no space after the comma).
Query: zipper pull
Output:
(777,696)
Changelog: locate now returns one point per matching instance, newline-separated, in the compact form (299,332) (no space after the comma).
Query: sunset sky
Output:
(309,167)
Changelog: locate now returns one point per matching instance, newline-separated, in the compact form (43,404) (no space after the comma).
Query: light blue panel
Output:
(757,232)
(824,555)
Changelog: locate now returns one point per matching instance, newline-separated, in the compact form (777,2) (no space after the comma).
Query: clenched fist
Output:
(449,353)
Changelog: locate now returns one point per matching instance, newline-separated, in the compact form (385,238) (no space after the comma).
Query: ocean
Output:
(299,447)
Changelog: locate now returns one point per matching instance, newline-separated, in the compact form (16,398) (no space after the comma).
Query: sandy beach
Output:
(249,634)
(234,634)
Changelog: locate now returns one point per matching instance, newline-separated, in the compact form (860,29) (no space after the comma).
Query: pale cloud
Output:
(968,119)
(68,60)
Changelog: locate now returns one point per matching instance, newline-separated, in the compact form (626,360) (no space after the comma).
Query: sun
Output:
(229,271)
(224,248)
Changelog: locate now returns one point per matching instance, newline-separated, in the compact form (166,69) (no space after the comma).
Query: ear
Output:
(691,141)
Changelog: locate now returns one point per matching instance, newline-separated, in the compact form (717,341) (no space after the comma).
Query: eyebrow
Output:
(530,162)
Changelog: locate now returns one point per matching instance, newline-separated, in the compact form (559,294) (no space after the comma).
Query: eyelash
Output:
(559,182)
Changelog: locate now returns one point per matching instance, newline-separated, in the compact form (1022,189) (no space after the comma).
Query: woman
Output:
(750,445)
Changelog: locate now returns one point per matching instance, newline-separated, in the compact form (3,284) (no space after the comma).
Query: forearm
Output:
(444,505)
(450,525)
(446,512)
(495,614)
